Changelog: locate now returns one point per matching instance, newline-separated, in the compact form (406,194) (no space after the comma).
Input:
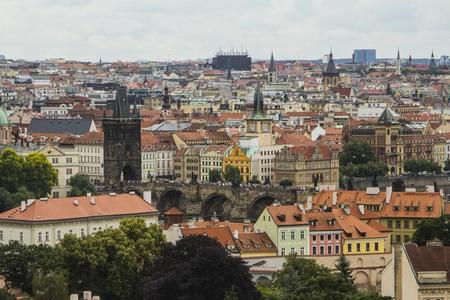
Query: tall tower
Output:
(398,68)
(259,125)
(330,77)
(432,64)
(166,100)
(272,76)
(122,142)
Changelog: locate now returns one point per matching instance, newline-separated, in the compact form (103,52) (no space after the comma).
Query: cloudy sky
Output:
(189,29)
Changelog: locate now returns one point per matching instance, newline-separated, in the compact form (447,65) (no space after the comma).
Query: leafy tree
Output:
(447,165)
(430,229)
(113,262)
(215,175)
(18,262)
(233,175)
(9,200)
(343,266)
(49,287)
(5,295)
(11,166)
(286,183)
(416,166)
(356,152)
(81,185)
(39,174)
(198,267)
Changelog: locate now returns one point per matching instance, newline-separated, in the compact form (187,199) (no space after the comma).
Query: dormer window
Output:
(281,217)
(429,208)
(396,208)
(298,217)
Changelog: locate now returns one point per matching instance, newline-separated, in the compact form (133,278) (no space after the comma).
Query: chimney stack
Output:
(148,196)
(334,198)
(309,203)
(236,234)
(87,295)
(388,194)
(23,205)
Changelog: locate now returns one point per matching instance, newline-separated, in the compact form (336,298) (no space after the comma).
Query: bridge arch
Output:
(217,204)
(257,206)
(169,198)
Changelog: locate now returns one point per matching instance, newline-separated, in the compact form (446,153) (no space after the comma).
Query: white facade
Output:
(156,163)
(91,161)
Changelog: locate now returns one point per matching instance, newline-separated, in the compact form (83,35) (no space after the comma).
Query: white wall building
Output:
(46,221)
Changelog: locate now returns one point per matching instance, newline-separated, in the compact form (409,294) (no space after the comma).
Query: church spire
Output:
(432,64)
(331,67)
(272,67)
(121,106)
(398,67)
(258,103)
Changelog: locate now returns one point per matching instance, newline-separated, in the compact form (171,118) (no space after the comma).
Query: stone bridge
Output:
(205,200)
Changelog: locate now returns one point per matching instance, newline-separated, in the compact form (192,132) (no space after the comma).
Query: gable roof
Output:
(287,215)
(73,126)
(428,258)
(56,209)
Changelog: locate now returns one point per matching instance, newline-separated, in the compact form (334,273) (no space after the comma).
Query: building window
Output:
(264,218)
(1,235)
(54,160)
(367,247)
(329,237)
(302,235)
(415,224)
(398,224)
(349,248)
(330,249)
(358,247)
(283,235)
(376,246)
(406,238)
(69,160)
(292,235)
(47,236)
(322,237)
(336,249)
(336,237)
(322,250)
(58,235)
(69,171)
(314,237)
(283,251)
(82,232)
(398,238)
(406,224)
(302,250)
(40,237)
(292,250)
(21,236)
(389,224)
(314,250)
(55,194)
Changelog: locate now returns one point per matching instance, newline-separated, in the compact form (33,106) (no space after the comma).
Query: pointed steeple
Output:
(272,67)
(388,117)
(398,54)
(258,104)
(410,60)
(331,67)
(432,64)
(121,106)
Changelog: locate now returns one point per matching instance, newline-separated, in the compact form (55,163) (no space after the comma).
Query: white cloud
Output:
(180,29)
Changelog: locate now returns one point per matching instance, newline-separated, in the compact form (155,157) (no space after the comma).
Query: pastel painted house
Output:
(325,234)
(287,227)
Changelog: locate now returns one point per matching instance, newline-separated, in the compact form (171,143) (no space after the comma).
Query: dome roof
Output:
(3,117)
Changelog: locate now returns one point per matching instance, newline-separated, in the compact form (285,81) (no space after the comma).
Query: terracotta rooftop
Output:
(80,207)
(287,215)
(429,258)
(255,242)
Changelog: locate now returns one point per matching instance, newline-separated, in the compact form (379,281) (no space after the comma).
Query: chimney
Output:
(430,188)
(334,198)
(236,234)
(388,194)
(148,196)
(74,297)
(410,190)
(372,190)
(23,205)
(361,208)
(92,200)
(88,194)
(301,207)
(30,201)
(346,210)
(96,298)
(434,243)
(309,203)
(87,295)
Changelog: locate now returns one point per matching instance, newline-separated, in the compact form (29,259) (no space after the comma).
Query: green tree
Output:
(447,165)
(80,185)
(198,267)
(18,262)
(286,183)
(254,180)
(11,166)
(416,166)
(233,175)
(343,266)
(431,229)
(215,175)
(398,185)
(49,287)
(39,174)
(5,295)
(113,262)
(356,152)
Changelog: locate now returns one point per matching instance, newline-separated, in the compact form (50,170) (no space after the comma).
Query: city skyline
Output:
(160,31)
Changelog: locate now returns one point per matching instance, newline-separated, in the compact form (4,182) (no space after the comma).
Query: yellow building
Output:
(236,157)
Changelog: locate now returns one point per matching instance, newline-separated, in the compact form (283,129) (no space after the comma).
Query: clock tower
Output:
(259,125)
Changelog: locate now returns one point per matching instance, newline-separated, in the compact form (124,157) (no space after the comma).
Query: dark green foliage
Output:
(304,279)
(285,183)
(112,262)
(233,175)
(416,166)
(5,295)
(357,153)
(23,178)
(49,287)
(431,229)
(254,180)
(19,262)
(343,267)
(198,267)
(81,185)
(215,175)
(398,185)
